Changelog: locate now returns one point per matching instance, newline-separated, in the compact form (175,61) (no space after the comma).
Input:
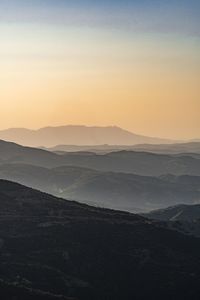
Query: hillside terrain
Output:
(180,212)
(141,163)
(127,192)
(187,148)
(57,249)
(183,218)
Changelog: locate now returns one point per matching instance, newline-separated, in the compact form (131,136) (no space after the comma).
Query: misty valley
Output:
(100,222)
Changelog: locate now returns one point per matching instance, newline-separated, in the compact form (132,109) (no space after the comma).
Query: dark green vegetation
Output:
(50,246)
(128,192)
(141,163)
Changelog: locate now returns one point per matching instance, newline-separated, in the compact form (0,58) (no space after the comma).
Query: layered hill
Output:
(183,218)
(76,135)
(141,163)
(127,192)
(187,148)
(56,249)
(180,212)
(190,147)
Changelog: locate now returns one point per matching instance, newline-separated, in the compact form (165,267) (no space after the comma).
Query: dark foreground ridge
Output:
(56,249)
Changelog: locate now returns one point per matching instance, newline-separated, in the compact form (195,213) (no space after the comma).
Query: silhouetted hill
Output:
(11,152)
(183,218)
(180,212)
(107,189)
(141,163)
(190,148)
(76,135)
(50,245)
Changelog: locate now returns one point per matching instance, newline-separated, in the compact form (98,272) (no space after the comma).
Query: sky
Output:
(134,64)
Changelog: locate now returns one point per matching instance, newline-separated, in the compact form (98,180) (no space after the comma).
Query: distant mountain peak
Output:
(76,135)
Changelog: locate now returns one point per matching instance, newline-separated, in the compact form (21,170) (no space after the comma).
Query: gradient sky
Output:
(135,64)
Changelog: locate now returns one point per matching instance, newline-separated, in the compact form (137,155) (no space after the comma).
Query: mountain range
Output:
(56,249)
(187,148)
(141,163)
(121,191)
(76,135)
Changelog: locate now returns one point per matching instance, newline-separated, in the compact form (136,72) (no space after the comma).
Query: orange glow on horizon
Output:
(148,85)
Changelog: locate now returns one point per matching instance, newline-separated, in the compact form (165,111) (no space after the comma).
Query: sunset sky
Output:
(134,64)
